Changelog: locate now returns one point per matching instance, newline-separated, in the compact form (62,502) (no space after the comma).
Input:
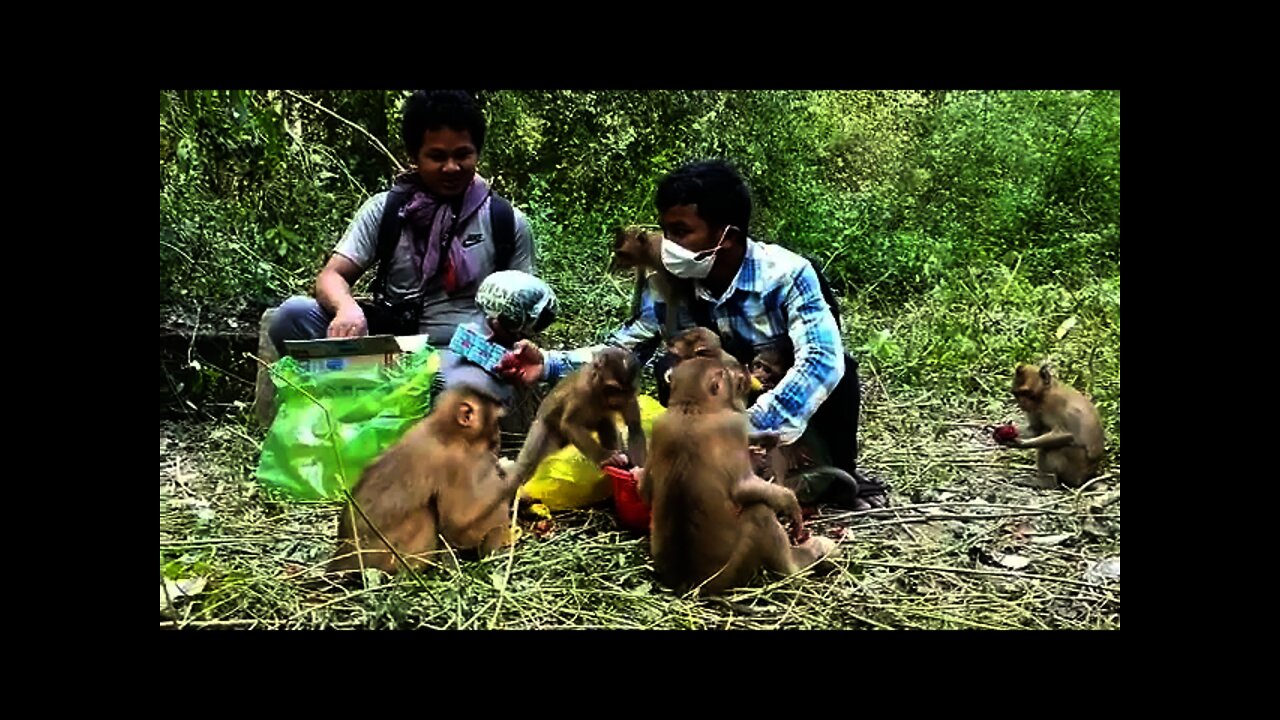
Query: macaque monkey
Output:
(714,523)
(636,247)
(586,401)
(1062,426)
(441,478)
(703,342)
(695,342)
(771,363)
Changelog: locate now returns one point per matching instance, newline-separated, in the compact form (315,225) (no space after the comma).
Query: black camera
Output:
(387,318)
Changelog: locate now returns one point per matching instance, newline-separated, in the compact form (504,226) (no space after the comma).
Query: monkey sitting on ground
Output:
(1062,426)
(636,247)
(442,478)
(714,523)
(587,401)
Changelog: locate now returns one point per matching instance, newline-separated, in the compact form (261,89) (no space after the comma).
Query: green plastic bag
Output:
(369,406)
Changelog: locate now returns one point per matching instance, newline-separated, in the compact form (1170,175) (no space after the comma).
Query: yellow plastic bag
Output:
(567,479)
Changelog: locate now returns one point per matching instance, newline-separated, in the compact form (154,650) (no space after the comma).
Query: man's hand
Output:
(529,359)
(349,322)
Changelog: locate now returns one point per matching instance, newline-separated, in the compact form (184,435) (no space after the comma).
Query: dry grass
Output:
(940,558)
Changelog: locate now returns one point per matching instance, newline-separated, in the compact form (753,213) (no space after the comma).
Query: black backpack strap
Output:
(502,218)
(388,237)
(825,287)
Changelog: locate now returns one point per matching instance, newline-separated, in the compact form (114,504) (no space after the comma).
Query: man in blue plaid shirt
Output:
(753,294)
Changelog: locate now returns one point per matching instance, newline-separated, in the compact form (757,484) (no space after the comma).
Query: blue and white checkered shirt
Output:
(775,294)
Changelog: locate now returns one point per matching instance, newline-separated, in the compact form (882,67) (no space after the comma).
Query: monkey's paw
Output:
(506,468)
(619,460)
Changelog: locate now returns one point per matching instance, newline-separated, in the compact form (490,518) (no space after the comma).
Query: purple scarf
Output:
(428,217)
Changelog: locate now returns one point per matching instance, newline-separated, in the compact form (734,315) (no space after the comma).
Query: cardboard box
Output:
(329,354)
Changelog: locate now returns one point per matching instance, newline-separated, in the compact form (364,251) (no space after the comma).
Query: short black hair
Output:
(714,186)
(433,109)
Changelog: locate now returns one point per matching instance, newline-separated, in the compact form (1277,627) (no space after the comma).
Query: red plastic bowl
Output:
(632,511)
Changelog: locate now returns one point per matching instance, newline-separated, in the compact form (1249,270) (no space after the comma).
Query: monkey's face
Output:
(614,372)
(1029,383)
(447,161)
(767,368)
(627,248)
(698,342)
(616,393)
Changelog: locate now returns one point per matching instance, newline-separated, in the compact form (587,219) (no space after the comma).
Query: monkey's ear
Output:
(1018,369)
(716,385)
(467,414)
(1046,374)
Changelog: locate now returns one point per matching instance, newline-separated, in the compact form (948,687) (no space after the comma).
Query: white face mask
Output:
(689,264)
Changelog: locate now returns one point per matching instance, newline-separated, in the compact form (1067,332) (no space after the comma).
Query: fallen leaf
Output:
(1091,526)
(1103,570)
(1066,326)
(1013,562)
(175,590)
(1050,539)
(498,580)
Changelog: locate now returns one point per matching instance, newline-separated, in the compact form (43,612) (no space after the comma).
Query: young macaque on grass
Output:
(587,401)
(714,523)
(442,479)
(1063,428)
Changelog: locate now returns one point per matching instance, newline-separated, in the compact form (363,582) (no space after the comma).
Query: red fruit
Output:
(1005,433)
(510,366)
(632,512)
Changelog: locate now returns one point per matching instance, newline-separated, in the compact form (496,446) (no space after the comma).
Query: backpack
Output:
(825,287)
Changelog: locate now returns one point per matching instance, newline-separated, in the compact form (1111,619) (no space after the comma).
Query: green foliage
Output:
(255,188)
(963,227)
